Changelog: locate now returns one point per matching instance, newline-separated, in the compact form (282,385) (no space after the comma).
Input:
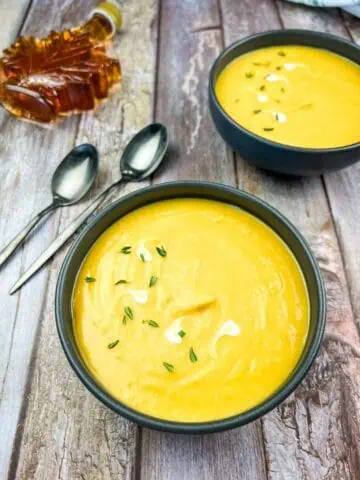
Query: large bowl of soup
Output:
(190,307)
(289,101)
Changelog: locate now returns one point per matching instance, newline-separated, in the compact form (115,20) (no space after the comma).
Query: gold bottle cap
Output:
(110,10)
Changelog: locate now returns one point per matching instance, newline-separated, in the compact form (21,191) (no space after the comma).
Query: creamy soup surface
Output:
(295,95)
(190,310)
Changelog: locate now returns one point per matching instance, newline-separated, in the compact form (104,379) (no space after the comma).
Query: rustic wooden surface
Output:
(51,427)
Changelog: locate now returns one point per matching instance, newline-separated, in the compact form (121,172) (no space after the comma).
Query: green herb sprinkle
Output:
(192,355)
(161,251)
(113,344)
(169,367)
(153,280)
(90,279)
(151,323)
(129,313)
(261,64)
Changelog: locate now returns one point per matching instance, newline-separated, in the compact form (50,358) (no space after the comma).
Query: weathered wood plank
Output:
(344,198)
(29,155)
(63,431)
(190,41)
(352,25)
(315,433)
(336,448)
(233,455)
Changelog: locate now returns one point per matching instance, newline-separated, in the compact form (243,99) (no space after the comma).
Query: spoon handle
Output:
(15,242)
(61,239)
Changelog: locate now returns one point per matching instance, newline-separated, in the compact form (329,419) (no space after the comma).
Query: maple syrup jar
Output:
(67,72)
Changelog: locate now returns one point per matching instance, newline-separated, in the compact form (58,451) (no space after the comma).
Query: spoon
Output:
(70,182)
(141,157)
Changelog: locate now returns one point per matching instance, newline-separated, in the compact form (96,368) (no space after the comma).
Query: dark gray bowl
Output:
(214,191)
(272,155)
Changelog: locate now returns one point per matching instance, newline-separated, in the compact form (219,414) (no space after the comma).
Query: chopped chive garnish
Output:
(268,129)
(277,116)
(282,89)
(282,54)
(113,344)
(192,355)
(126,250)
(161,251)
(170,368)
(261,64)
(249,74)
(90,279)
(181,334)
(262,88)
(129,312)
(142,257)
(121,281)
(256,111)
(278,67)
(124,320)
(153,280)
(151,323)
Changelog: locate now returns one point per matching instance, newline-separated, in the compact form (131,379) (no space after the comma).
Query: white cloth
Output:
(351,6)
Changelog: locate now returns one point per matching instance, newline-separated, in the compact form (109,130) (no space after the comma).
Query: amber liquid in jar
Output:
(42,79)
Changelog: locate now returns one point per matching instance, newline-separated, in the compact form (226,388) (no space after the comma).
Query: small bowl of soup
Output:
(289,101)
(190,307)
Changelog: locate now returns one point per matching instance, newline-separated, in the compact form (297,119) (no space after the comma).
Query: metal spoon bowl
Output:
(141,157)
(144,153)
(75,175)
(72,179)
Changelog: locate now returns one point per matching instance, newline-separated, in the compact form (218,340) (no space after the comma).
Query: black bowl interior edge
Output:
(280,38)
(212,191)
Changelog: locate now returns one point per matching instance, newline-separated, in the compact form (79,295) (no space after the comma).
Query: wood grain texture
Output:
(190,41)
(315,434)
(13,12)
(233,455)
(25,151)
(63,432)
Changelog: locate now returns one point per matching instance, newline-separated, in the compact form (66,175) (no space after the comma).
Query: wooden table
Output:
(51,427)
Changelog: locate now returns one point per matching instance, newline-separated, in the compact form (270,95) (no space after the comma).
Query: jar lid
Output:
(111,11)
